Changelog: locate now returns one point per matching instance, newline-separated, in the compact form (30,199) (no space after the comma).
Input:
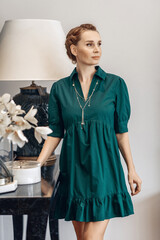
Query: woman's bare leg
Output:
(95,230)
(90,230)
(79,228)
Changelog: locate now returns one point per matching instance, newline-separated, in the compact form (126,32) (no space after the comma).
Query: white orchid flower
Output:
(4,122)
(9,129)
(5,98)
(21,123)
(41,132)
(4,119)
(2,131)
(19,110)
(12,125)
(2,107)
(17,137)
(30,116)
(14,109)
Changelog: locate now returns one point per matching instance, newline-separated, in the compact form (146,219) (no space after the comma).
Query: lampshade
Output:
(33,49)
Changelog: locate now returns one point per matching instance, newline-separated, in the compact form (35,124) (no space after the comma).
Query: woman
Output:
(93,108)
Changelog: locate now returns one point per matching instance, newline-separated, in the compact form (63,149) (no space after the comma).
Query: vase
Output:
(28,97)
(6,161)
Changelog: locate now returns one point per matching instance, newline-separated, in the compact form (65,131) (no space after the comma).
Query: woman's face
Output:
(88,49)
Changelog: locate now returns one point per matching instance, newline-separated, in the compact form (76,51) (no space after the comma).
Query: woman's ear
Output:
(73,49)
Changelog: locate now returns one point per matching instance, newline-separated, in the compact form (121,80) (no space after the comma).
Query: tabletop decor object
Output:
(25,172)
(13,121)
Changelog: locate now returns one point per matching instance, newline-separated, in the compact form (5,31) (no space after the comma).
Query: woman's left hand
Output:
(134,178)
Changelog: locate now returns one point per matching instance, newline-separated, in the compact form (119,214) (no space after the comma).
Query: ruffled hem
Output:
(91,209)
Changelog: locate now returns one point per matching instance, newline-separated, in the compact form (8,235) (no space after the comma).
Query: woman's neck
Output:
(85,72)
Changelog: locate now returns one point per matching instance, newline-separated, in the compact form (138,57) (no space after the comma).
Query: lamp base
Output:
(9,187)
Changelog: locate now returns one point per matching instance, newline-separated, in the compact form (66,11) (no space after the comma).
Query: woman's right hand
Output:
(134,178)
(49,147)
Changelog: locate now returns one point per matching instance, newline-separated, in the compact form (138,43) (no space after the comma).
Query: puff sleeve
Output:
(54,115)
(122,107)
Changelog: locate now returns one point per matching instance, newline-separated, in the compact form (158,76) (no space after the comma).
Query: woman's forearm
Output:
(49,146)
(124,146)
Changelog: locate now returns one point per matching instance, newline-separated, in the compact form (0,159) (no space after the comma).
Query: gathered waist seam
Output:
(87,121)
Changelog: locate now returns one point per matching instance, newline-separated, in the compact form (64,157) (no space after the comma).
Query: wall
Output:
(130,32)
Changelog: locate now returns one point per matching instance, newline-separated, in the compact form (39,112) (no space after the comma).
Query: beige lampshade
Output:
(33,49)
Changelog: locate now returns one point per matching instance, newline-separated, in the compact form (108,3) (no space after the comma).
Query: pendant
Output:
(89,103)
(82,123)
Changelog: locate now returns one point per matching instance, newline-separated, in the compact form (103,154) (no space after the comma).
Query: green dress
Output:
(91,184)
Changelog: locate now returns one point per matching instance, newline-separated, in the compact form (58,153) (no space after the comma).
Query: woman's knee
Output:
(78,227)
(95,230)
(92,236)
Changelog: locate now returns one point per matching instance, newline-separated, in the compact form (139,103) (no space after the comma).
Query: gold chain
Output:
(88,100)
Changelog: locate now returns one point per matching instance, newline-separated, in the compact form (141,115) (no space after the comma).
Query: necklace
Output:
(80,95)
(87,100)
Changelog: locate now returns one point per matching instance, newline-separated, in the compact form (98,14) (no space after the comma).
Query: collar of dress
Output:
(100,73)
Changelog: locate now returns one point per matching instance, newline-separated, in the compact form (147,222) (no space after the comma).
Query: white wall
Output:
(130,32)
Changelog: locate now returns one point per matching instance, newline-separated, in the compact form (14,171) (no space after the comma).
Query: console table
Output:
(33,200)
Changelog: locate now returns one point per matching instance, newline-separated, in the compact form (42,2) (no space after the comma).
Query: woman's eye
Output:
(89,44)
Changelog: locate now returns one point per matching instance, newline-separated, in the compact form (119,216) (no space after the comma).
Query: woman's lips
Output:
(96,57)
